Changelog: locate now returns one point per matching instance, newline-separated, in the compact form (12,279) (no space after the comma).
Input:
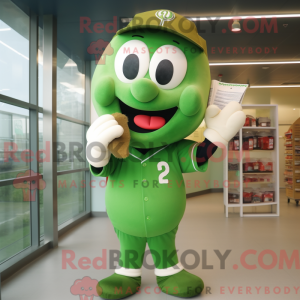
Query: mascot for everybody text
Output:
(149,95)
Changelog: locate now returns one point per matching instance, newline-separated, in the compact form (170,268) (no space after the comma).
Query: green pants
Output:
(162,249)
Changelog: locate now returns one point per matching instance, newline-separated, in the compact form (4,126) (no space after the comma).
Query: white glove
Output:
(222,125)
(103,130)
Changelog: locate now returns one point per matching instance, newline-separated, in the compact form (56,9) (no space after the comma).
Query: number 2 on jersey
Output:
(161,176)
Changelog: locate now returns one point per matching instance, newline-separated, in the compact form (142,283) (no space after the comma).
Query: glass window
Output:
(41,146)
(15,198)
(41,212)
(14,140)
(14,49)
(71,147)
(14,219)
(40,64)
(41,172)
(16,192)
(70,196)
(70,86)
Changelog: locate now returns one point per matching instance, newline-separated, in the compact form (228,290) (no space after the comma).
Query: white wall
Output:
(257,96)
(288,100)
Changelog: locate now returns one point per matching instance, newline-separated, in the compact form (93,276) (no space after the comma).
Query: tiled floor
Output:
(203,228)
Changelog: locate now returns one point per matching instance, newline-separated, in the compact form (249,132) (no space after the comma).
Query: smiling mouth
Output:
(144,121)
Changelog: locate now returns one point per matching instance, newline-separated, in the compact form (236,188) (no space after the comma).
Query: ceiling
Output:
(282,44)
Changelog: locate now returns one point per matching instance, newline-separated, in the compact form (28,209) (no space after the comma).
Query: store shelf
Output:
(259,128)
(247,184)
(258,150)
(259,204)
(235,177)
(293,171)
(258,173)
(252,183)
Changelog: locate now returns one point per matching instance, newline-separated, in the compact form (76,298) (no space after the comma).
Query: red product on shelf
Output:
(264,178)
(267,142)
(257,196)
(260,137)
(250,165)
(247,195)
(288,134)
(230,145)
(252,178)
(236,142)
(255,140)
(233,196)
(247,179)
(255,165)
(247,140)
(288,144)
(260,179)
(265,165)
(250,121)
(268,195)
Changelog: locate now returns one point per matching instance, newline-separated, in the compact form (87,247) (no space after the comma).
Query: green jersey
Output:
(145,194)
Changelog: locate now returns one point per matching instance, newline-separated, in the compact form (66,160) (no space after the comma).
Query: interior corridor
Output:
(203,228)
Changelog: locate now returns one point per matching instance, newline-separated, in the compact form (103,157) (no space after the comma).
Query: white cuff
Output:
(169,271)
(214,136)
(128,272)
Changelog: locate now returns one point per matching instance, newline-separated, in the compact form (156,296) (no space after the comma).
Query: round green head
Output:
(159,80)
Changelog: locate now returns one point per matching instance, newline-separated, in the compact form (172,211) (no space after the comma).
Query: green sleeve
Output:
(106,170)
(186,151)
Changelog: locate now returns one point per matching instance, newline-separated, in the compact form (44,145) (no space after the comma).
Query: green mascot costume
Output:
(158,77)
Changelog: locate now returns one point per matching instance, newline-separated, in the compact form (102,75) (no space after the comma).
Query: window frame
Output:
(38,245)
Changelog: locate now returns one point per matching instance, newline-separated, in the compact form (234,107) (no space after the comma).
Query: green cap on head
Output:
(167,20)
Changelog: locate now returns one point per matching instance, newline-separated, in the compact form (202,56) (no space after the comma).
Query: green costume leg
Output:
(127,278)
(132,250)
(170,275)
(163,249)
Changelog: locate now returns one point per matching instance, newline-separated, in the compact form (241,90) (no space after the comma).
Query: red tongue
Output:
(148,122)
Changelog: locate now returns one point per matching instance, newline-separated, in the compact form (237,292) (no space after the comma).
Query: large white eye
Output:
(168,67)
(132,61)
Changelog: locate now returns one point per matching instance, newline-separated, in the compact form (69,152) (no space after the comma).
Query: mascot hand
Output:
(222,125)
(100,134)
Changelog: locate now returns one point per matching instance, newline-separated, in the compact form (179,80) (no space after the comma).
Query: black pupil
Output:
(131,66)
(164,72)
